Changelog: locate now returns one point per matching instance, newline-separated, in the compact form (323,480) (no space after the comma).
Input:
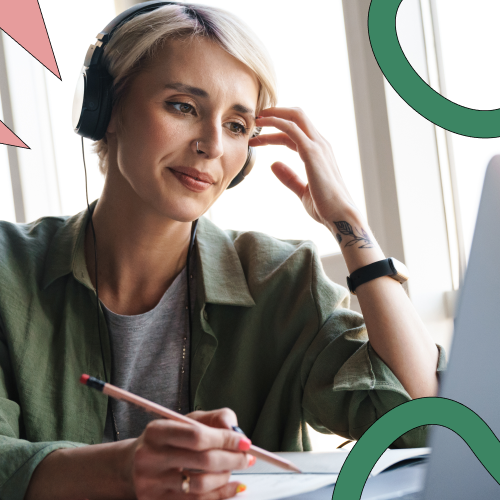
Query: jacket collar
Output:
(223,278)
(66,253)
(221,272)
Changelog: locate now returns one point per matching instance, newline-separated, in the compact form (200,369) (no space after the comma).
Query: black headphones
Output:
(93,99)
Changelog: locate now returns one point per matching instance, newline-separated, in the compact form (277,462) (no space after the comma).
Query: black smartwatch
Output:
(387,267)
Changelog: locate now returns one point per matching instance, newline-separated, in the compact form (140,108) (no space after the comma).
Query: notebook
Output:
(319,469)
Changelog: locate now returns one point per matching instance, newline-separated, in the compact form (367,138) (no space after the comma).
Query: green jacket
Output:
(272,339)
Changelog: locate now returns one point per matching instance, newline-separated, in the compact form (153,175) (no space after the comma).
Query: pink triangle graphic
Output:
(9,138)
(22,20)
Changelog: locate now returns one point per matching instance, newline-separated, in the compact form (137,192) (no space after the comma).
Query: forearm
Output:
(90,472)
(399,336)
(394,327)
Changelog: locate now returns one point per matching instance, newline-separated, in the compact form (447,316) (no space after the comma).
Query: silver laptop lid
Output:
(473,375)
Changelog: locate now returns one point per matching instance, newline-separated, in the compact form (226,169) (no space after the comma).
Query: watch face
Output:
(401,272)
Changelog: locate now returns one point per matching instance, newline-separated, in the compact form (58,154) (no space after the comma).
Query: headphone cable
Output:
(113,420)
(194,226)
(95,259)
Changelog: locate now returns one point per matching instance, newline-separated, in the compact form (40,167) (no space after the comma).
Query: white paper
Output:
(267,482)
(391,457)
(274,486)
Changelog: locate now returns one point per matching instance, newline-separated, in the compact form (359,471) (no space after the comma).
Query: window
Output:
(70,47)
(470,71)
(51,171)
(464,38)
(6,201)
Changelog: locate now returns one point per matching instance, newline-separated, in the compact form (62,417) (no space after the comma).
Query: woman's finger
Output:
(296,115)
(200,485)
(208,460)
(153,463)
(280,139)
(289,178)
(199,482)
(199,437)
(303,143)
(224,418)
(229,490)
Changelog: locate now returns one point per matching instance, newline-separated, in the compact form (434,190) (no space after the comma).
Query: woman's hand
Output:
(325,196)
(167,451)
(151,466)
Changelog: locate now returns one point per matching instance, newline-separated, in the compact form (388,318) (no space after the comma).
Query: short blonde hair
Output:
(136,43)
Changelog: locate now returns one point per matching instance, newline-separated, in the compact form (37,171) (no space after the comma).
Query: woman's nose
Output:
(210,143)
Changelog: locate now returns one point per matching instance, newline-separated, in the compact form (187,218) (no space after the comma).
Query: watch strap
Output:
(370,272)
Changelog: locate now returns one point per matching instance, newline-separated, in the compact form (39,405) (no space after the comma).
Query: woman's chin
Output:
(184,210)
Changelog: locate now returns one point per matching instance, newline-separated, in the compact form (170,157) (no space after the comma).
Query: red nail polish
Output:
(244,444)
(252,461)
(259,117)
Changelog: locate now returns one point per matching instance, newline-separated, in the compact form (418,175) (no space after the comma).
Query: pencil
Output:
(149,406)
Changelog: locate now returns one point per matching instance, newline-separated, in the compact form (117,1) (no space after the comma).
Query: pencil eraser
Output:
(84,378)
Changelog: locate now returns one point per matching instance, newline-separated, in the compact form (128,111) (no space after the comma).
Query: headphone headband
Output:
(129,14)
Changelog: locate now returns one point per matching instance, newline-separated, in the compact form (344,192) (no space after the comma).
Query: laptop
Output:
(473,374)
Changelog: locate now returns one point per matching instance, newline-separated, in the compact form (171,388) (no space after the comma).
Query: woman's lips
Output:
(193,182)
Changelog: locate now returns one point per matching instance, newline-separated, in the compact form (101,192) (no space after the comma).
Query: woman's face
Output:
(191,92)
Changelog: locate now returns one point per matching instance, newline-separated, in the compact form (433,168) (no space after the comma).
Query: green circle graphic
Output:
(405,417)
(408,84)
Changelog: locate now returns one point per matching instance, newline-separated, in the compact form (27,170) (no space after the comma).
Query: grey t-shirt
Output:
(149,354)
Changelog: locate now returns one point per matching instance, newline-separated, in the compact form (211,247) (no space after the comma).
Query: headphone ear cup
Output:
(106,85)
(96,104)
(247,167)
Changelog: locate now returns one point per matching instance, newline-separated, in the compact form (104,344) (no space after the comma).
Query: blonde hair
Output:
(136,42)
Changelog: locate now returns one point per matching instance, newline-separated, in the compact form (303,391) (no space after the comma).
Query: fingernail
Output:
(251,460)
(244,444)
(259,117)
(240,488)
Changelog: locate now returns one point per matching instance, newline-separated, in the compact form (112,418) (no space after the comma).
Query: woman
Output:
(271,338)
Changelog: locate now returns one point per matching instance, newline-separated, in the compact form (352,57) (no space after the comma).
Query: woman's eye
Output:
(182,107)
(237,128)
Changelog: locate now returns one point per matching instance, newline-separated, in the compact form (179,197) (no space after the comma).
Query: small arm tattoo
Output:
(346,229)
(339,238)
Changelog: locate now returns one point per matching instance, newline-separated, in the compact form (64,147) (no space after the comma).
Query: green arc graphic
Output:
(425,411)
(408,84)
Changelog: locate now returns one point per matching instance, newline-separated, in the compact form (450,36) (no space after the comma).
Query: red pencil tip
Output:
(84,378)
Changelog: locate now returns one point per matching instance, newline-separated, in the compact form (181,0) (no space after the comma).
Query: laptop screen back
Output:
(473,375)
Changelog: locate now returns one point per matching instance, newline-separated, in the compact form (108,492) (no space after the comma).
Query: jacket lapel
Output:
(221,281)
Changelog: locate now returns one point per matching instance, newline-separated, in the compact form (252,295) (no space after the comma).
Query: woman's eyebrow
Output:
(188,89)
(243,109)
(182,87)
